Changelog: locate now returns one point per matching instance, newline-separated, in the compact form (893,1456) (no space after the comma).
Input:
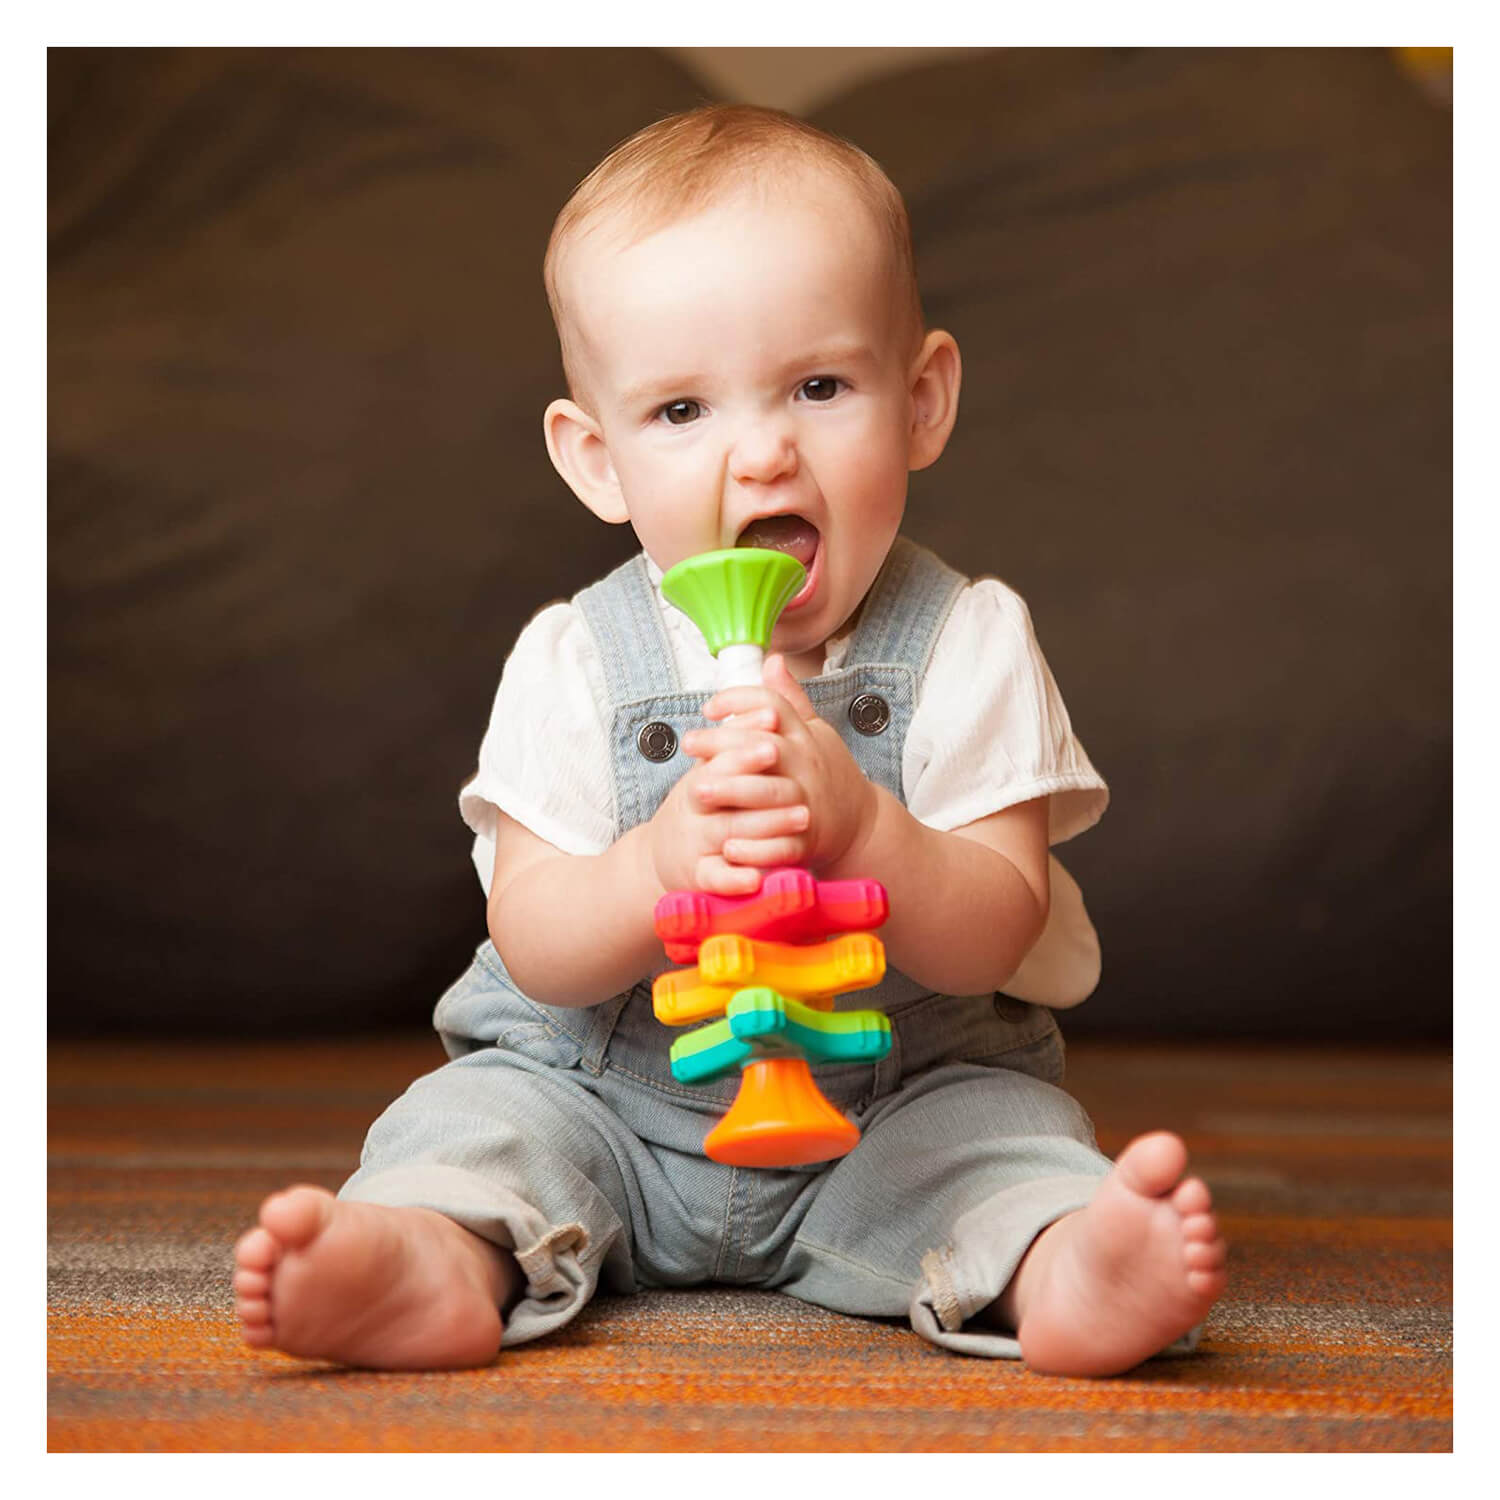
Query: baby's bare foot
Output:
(1119,1280)
(366,1284)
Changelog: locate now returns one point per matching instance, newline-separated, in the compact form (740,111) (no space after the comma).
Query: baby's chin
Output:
(804,641)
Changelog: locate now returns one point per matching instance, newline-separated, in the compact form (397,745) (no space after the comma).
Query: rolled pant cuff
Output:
(561,1273)
(976,1265)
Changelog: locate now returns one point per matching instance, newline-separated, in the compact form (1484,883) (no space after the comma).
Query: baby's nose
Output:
(763,451)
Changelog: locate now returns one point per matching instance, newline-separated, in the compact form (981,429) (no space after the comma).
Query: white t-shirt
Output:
(989,730)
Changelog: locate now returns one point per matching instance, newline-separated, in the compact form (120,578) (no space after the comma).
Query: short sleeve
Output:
(544,759)
(990,729)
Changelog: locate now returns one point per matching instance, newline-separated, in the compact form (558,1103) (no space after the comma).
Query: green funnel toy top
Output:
(734,596)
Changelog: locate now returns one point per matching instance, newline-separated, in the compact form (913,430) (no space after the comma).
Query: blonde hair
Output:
(676,167)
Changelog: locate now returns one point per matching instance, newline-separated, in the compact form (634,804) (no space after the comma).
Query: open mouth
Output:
(796,536)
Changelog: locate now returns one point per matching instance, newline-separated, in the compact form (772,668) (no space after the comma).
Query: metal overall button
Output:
(657,741)
(870,713)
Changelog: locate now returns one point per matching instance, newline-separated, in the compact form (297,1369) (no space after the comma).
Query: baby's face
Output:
(749,369)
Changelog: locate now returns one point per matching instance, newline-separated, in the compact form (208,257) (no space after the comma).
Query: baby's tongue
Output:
(790,534)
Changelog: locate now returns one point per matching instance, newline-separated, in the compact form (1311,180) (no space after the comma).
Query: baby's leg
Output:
(1107,1286)
(959,1202)
(489,1197)
(367,1284)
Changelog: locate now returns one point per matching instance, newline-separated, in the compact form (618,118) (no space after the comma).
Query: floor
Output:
(1331,1168)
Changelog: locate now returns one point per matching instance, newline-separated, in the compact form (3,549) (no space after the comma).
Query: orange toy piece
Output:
(780,1118)
(812,972)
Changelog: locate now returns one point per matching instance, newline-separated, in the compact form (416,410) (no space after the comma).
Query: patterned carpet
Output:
(1332,1171)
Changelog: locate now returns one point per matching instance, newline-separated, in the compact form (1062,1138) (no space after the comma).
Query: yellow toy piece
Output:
(681,996)
(728,963)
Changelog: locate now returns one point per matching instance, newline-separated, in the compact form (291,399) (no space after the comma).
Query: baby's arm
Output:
(966,906)
(575,929)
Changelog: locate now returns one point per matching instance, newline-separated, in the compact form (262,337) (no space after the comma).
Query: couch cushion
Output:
(1204,306)
(299,504)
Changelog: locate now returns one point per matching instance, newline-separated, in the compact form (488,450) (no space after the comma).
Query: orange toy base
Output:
(780,1118)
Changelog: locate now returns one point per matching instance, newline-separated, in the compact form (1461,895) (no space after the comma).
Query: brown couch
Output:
(299,505)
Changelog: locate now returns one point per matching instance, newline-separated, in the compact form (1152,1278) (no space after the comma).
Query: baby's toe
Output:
(1191,1196)
(251,1283)
(297,1215)
(1200,1227)
(256,1250)
(1207,1285)
(1150,1164)
(1204,1255)
(253,1312)
(258,1335)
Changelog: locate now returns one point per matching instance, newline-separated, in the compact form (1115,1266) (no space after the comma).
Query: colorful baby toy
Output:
(766,967)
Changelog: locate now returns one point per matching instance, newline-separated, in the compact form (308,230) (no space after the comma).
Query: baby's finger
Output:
(739,702)
(790,849)
(767,823)
(754,758)
(704,744)
(748,791)
(778,678)
(718,877)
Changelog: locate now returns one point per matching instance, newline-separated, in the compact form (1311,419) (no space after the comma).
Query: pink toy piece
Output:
(790,907)
(687,917)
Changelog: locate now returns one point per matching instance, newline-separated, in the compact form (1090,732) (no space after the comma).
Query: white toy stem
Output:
(740,666)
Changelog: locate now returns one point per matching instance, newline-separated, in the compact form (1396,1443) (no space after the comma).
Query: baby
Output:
(748,364)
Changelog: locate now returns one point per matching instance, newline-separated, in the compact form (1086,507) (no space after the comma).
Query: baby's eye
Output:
(821,388)
(680,413)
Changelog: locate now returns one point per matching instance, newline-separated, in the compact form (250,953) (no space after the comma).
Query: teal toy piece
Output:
(760,1023)
(710,1052)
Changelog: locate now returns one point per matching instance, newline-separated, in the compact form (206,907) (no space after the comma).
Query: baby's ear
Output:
(575,443)
(935,377)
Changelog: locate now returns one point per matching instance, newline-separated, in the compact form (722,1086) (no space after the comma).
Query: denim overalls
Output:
(560,1134)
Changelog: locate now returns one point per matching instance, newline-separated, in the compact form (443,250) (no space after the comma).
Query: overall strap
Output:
(647,713)
(906,610)
(635,655)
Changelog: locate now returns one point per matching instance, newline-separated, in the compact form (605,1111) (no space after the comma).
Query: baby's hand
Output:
(810,756)
(732,815)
